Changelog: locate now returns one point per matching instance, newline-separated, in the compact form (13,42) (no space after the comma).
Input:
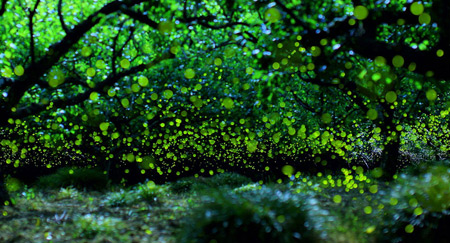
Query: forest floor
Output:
(352,207)
(69,215)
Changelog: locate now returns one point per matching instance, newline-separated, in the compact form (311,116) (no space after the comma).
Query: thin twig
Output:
(61,17)
(30,27)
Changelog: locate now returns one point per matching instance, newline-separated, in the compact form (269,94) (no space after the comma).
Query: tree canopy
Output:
(168,88)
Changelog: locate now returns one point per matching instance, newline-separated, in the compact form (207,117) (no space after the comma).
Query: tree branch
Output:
(114,48)
(3,7)
(79,98)
(36,70)
(30,27)
(61,17)
(140,17)
(303,104)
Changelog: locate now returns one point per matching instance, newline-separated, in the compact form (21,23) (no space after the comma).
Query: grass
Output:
(351,207)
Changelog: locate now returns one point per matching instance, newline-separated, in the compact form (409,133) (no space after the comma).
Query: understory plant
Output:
(264,215)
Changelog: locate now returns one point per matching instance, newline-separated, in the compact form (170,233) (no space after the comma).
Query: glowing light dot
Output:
(19,70)
(370,229)
(104,126)
(417,8)
(86,51)
(398,61)
(165,27)
(272,15)
(337,199)
(380,61)
(125,63)
(189,73)
(424,18)
(276,65)
(287,170)
(418,211)
(93,96)
(90,72)
(361,12)
(228,103)
(373,189)
(168,93)
(409,228)
(391,96)
(326,118)
(100,64)
(217,61)
(431,94)
(143,81)
(393,201)
(125,103)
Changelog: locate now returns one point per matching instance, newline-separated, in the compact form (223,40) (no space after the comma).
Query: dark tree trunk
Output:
(4,195)
(389,158)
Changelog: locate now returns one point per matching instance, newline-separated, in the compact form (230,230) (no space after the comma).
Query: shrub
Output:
(247,188)
(264,215)
(182,186)
(89,225)
(150,193)
(147,192)
(121,198)
(229,180)
(418,206)
(66,193)
(80,178)
(13,184)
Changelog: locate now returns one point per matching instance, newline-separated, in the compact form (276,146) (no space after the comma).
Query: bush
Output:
(150,193)
(418,207)
(264,215)
(67,193)
(13,184)
(147,192)
(80,178)
(183,185)
(247,188)
(89,225)
(121,198)
(229,180)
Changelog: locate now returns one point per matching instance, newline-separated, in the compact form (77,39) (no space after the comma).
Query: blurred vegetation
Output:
(351,206)
(80,178)
(224,181)
(263,215)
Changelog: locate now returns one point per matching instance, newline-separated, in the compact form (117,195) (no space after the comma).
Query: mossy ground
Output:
(49,218)
(352,207)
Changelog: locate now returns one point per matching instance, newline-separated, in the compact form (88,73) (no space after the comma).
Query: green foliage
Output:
(90,225)
(147,192)
(169,89)
(417,208)
(80,178)
(13,184)
(121,198)
(224,181)
(264,215)
(431,187)
(247,188)
(66,193)
(28,193)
